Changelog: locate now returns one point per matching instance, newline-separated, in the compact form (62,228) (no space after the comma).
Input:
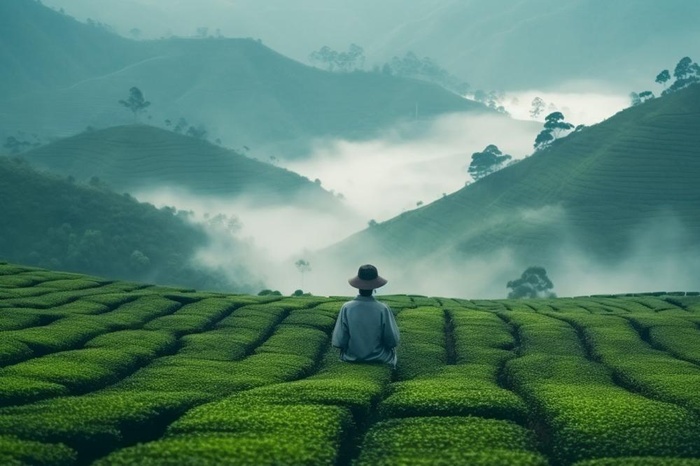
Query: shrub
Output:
(641,461)
(422,349)
(97,423)
(455,391)
(19,452)
(17,390)
(449,440)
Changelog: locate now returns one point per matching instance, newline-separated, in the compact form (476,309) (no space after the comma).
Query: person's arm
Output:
(391,336)
(341,336)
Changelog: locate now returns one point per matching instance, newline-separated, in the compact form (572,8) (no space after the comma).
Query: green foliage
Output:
(641,461)
(343,62)
(14,451)
(449,440)
(533,283)
(136,102)
(463,390)
(422,349)
(154,375)
(484,163)
(96,423)
(425,68)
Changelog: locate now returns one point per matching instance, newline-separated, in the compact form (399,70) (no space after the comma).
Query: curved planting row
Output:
(581,411)
(108,373)
(636,364)
(447,406)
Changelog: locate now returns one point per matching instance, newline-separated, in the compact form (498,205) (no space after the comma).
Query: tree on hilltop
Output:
(489,160)
(333,60)
(136,102)
(554,127)
(663,77)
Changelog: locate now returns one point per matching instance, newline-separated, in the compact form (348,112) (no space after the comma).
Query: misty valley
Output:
(183,201)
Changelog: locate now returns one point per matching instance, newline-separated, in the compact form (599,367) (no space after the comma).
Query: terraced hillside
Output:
(110,373)
(598,190)
(140,157)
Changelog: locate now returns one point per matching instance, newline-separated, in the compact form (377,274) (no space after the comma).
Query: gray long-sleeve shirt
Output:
(366,331)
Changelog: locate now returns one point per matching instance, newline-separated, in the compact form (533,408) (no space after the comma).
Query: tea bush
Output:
(449,441)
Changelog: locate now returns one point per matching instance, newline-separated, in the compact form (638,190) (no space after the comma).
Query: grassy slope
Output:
(137,157)
(243,92)
(595,187)
(50,221)
(167,376)
(40,49)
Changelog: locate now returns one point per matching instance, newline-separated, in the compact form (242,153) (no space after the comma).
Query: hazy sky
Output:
(493,44)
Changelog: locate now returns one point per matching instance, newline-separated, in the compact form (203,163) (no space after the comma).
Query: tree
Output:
(663,77)
(333,60)
(537,107)
(484,163)
(554,125)
(634,99)
(686,73)
(136,102)
(533,283)
(645,95)
(198,132)
(303,266)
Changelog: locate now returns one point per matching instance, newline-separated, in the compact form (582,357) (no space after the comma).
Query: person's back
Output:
(366,330)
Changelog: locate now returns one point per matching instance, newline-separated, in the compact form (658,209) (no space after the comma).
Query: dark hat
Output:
(367,278)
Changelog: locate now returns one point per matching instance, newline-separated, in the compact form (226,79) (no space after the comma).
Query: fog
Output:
(378,179)
(581,103)
(383,177)
(661,255)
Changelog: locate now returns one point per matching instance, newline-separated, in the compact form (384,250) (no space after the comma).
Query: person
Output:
(365,330)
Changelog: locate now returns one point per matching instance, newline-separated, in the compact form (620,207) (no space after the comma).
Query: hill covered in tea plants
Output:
(139,157)
(104,372)
(54,222)
(598,190)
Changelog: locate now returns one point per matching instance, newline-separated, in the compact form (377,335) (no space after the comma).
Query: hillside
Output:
(628,182)
(506,44)
(54,222)
(138,157)
(166,376)
(241,91)
(41,49)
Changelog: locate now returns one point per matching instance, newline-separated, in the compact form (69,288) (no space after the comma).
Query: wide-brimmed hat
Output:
(367,278)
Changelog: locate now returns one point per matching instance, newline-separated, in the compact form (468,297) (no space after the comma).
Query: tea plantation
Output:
(104,372)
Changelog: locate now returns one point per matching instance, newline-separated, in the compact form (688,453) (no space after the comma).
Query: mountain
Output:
(41,49)
(622,189)
(239,90)
(493,44)
(52,221)
(135,158)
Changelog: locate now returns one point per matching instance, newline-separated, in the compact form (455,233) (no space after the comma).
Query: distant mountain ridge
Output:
(139,157)
(492,44)
(41,49)
(596,191)
(239,90)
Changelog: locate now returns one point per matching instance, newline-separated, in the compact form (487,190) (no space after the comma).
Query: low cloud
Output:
(411,164)
(582,103)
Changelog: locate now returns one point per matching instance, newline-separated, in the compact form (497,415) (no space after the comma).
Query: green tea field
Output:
(100,372)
